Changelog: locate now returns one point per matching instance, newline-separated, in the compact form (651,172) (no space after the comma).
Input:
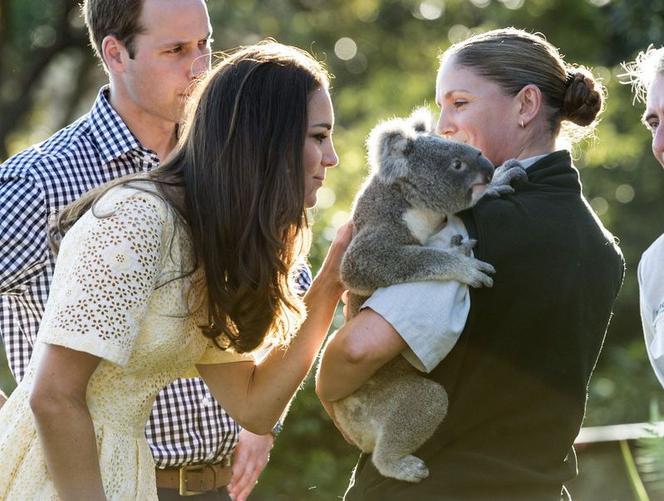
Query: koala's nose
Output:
(486,167)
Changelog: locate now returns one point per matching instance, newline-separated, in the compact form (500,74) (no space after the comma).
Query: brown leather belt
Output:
(194,479)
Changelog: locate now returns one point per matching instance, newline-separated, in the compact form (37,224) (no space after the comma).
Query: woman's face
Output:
(476,111)
(319,152)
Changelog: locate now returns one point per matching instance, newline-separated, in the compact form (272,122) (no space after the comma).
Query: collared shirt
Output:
(187,425)
(651,294)
(429,315)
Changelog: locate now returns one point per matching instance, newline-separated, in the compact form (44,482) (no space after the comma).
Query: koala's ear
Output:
(421,120)
(389,145)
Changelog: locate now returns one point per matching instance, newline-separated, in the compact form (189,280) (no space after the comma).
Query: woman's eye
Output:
(175,50)
(320,137)
(459,103)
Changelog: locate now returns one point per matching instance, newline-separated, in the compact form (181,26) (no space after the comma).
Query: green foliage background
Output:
(48,77)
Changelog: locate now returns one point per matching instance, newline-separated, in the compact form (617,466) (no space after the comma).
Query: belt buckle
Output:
(183,490)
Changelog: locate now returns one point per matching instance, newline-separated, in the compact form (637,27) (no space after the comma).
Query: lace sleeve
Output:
(105,274)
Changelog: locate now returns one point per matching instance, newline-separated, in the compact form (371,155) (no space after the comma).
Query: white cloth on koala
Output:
(651,288)
(429,316)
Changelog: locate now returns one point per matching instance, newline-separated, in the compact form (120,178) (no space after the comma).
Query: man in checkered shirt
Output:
(152,51)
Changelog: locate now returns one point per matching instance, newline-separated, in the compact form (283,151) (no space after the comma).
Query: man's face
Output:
(172,51)
(654,115)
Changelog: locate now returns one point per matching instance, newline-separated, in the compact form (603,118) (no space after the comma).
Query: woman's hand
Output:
(344,300)
(330,270)
(255,395)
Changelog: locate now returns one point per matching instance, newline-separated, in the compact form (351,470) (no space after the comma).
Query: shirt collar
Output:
(109,130)
(527,162)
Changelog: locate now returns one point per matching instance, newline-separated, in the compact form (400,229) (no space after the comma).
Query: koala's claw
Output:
(510,172)
(478,274)
(498,190)
(509,164)
(481,280)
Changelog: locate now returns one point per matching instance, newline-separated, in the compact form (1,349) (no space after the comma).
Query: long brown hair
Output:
(239,166)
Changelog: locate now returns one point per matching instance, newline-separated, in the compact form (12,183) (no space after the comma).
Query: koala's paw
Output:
(407,468)
(478,273)
(498,190)
(456,240)
(463,246)
(510,164)
(504,176)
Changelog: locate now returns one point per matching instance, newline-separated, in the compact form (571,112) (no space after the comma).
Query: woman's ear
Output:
(113,52)
(529,100)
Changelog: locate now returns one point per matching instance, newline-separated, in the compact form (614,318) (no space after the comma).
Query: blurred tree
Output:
(35,36)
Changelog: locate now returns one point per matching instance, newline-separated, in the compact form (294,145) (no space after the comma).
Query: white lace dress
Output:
(113,295)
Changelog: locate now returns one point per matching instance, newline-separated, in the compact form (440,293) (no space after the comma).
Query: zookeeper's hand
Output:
(250,458)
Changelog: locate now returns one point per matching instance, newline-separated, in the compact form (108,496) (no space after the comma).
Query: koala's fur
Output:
(417,180)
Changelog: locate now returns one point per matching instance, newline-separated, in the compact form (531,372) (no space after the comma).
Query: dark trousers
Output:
(173,495)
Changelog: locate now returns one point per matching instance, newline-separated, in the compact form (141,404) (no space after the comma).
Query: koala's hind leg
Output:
(408,468)
(412,419)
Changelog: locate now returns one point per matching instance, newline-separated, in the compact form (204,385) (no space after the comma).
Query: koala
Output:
(418,179)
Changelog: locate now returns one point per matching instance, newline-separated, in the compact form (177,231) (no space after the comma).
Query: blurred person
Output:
(646,73)
(515,359)
(153,51)
(188,267)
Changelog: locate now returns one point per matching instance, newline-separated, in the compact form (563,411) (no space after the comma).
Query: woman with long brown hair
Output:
(187,267)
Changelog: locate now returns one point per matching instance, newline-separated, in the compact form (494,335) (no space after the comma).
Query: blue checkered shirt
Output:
(187,425)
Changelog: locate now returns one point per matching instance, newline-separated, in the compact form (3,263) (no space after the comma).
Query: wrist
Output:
(328,285)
